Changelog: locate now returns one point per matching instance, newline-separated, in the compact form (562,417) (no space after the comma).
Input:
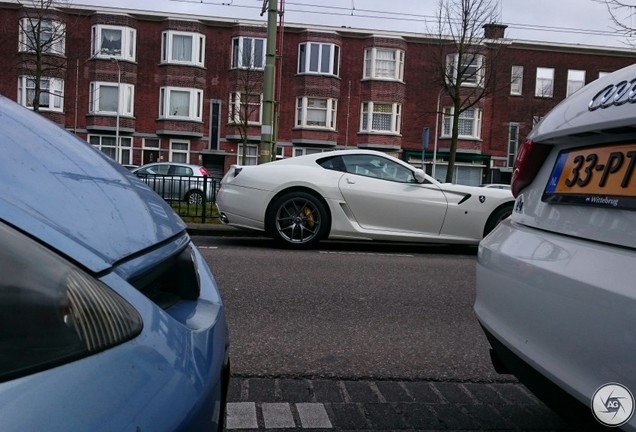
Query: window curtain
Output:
(179,104)
(385,64)
(111,41)
(182,48)
(108,98)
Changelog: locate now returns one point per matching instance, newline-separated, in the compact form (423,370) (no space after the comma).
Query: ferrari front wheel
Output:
(297,219)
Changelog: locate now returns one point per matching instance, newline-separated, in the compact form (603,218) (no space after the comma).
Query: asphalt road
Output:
(352,311)
(362,337)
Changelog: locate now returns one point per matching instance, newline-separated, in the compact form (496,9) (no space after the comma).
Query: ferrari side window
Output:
(333,163)
(378,167)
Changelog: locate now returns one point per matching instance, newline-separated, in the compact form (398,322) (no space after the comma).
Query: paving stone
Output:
(423,392)
(384,416)
(514,393)
(452,392)
(453,418)
(261,390)
(234,390)
(277,416)
(393,391)
(327,391)
(360,391)
(313,416)
(347,416)
(485,394)
(487,417)
(419,416)
(295,390)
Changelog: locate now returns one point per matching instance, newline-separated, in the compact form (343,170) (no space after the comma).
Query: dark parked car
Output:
(178,181)
(110,319)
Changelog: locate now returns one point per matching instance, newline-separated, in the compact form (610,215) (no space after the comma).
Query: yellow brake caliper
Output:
(310,217)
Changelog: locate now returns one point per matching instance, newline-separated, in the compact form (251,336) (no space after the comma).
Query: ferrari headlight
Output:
(51,311)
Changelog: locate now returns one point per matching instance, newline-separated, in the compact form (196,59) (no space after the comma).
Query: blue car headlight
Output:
(51,311)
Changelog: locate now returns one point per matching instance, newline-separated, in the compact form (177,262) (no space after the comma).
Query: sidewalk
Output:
(273,404)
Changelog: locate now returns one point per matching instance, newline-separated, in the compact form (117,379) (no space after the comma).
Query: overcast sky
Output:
(567,21)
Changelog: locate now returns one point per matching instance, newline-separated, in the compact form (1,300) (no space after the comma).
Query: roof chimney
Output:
(494,31)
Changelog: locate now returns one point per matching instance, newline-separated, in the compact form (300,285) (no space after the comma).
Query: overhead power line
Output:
(388,16)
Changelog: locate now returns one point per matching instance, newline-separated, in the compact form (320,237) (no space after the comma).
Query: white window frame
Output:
(513,143)
(51,89)
(252,154)
(122,153)
(576,81)
(248,57)
(469,115)
(302,151)
(470,77)
(310,50)
(236,106)
(544,84)
(179,151)
(195,103)
(168,48)
(378,68)
(58,34)
(370,112)
(128,45)
(306,105)
(516,80)
(125,98)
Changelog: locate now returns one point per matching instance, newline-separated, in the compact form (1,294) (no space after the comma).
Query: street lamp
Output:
(117,148)
(439,95)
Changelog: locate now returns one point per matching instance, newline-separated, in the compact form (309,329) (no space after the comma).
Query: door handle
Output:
(350,180)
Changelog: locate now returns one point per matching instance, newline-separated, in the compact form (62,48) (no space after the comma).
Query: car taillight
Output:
(204,172)
(529,159)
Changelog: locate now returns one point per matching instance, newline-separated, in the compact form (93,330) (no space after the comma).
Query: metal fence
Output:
(193,198)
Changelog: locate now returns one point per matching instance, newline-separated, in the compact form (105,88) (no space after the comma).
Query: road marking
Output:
(244,415)
(313,416)
(366,253)
(241,415)
(207,247)
(278,416)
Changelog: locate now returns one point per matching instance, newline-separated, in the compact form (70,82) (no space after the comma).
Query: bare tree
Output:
(246,101)
(465,66)
(42,41)
(623,15)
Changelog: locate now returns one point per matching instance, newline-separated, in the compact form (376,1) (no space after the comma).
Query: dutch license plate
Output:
(598,176)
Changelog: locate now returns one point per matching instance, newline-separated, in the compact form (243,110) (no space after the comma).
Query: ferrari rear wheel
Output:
(298,219)
(497,216)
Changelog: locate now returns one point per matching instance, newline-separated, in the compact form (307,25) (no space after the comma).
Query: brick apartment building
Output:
(172,87)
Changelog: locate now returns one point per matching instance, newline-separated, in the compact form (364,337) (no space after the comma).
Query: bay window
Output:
(113,42)
(185,48)
(383,63)
(318,58)
(180,103)
(245,108)
(51,93)
(112,98)
(380,117)
(42,35)
(248,53)
(316,113)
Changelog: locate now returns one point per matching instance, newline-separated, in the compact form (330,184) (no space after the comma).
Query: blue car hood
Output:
(60,190)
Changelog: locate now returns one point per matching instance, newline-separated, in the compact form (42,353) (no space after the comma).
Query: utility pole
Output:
(267,128)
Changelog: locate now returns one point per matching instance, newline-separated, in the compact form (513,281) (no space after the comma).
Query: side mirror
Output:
(420,177)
